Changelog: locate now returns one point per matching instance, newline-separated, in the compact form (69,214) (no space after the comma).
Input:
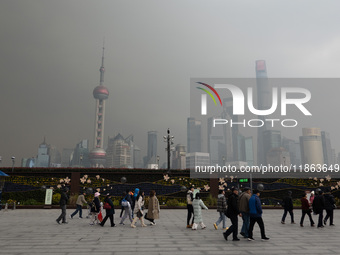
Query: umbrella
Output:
(3,174)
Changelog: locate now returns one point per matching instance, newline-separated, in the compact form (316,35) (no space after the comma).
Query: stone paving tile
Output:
(36,232)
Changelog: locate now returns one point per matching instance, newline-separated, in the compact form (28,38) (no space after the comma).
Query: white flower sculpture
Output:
(166,177)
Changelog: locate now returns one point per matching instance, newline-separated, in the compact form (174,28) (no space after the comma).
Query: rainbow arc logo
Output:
(204,97)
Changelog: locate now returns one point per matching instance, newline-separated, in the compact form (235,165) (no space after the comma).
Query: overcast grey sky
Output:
(51,52)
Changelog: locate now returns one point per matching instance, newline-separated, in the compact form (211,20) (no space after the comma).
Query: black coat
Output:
(287,203)
(232,209)
(112,210)
(329,201)
(318,204)
(96,205)
(63,198)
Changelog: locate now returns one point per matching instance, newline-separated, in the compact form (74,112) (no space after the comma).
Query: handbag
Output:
(139,214)
(125,203)
(100,216)
(107,206)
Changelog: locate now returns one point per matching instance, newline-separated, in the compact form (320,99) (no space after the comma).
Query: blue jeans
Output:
(221,218)
(246,222)
(79,209)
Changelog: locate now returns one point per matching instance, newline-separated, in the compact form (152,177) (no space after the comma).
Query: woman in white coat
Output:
(198,205)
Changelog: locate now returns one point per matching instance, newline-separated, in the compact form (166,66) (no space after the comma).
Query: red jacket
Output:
(304,204)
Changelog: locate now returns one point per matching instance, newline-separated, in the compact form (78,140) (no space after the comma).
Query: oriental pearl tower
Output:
(100,93)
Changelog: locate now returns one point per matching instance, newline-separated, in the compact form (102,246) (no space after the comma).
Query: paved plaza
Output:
(36,232)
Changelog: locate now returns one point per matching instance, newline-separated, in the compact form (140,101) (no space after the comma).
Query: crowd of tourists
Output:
(132,207)
(246,205)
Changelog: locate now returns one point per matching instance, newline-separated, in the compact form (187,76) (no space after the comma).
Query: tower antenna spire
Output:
(102,69)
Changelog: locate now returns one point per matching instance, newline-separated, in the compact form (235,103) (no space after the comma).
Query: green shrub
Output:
(56,198)
(37,195)
(172,202)
(211,201)
(30,202)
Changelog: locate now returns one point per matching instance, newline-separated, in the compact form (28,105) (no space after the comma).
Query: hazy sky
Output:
(51,53)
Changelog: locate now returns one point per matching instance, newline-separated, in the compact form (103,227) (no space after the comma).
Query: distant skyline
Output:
(51,54)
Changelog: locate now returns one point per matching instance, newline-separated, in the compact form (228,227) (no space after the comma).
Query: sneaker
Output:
(236,239)
(204,227)
(152,223)
(91,224)
(80,217)
(282,222)
(121,223)
(301,225)
(293,222)
(71,217)
(251,239)
(65,222)
(321,227)
(133,226)
(189,226)
(215,226)
(113,225)
(226,228)
(242,234)
(332,225)
(265,239)
(58,222)
(225,236)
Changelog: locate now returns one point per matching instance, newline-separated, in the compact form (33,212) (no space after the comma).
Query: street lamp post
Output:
(13,162)
(169,140)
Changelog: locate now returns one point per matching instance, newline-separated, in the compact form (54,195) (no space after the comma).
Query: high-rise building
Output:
(178,157)
(197,159)
(249,151)
(327,148)
(55,156)
(194,136)
(101,93)
(136,161)
(152,147)
(80,156)
(293,147)
(216,144)
(278,157)
(263,103)
(311,146)
(118,153)
(230,133)
(66,157)
(271,140)
(43,159)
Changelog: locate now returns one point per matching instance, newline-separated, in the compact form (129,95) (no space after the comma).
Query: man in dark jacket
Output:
(243,206)
(329,207)
(319,206)
(62,203)
(232,212)
(255,211)
(110,211)
(287,204)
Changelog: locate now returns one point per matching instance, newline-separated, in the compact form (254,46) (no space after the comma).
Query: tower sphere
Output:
(97,156)
(101,92)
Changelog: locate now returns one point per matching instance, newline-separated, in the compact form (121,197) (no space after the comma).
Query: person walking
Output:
(255,212)
(138,211)
(126,207)
(190,209)
(243,207)
(109,211)
(232,213)
(197,204)
(329,207)
(133,200)
(95,209)
(306,210)
(79,203)
(319,206)
(287,204)
(63,201)
(153,208)
(221,208)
